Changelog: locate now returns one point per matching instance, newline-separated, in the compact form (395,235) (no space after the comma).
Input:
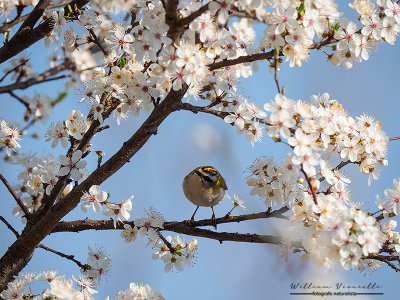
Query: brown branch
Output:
(20,252)
(190,18)
(82,225)
(171,249)
(7,25)
(208,110)
(171,12)
(67,64)
(16,197)
(234,12)
(27,36)
(394,138)
(19,99)
(226,236)
(34,16)
(260,56)
(309,185)
(342,164)
(9,227)
(384,259)
(241,60)
(67,256)
(381,217)
(13,69)
(96,40)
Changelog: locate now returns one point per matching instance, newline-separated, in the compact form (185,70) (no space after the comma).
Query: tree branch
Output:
(384,259)
(7,25)
(86,224)
(208,110)
(67,256)
(190,18)
(19,99)
(9,227)
(16,197)
(241,60)
(14,69)
(27,36)
(67,64)
(35,15)
(21,251)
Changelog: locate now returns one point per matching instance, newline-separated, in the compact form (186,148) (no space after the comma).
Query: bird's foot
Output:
(214,221)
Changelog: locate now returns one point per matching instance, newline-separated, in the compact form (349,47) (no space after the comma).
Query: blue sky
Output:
(155,174)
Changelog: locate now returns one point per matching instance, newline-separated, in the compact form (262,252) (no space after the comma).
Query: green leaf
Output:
(301,9)
(60,97)
(122,62)
(335,27)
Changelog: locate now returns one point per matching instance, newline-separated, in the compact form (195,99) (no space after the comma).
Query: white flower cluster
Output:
(21,68)
(8,6)
(246,118)
(325,127)
(99,264)
(173,250)
(391,204)
(277,184)
(177,253)
(97,198)
(40,175)
(60,287)
(9,137)
(58,24)
(39,106)
(66,288)
(149,225)
(136,292)
(379,24)
(335,233)
(144,65)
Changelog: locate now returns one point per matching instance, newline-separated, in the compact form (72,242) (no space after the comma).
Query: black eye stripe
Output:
(206,178)
(203,175)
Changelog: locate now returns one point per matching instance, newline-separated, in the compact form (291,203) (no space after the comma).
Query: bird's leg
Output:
(213,219)
(192,218)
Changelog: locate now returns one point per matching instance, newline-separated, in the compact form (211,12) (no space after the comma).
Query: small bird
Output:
(205,186)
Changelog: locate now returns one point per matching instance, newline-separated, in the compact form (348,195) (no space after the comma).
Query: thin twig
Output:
(20,100)
(43,77)
(385,260)
(96,40)
(9,227)
(67,256)
(8,25)
(309,185)
(171,249)
(394,138)
(16,197)
(14,69)
(218,113)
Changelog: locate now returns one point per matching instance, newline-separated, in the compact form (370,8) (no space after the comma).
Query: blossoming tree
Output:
(168,56)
